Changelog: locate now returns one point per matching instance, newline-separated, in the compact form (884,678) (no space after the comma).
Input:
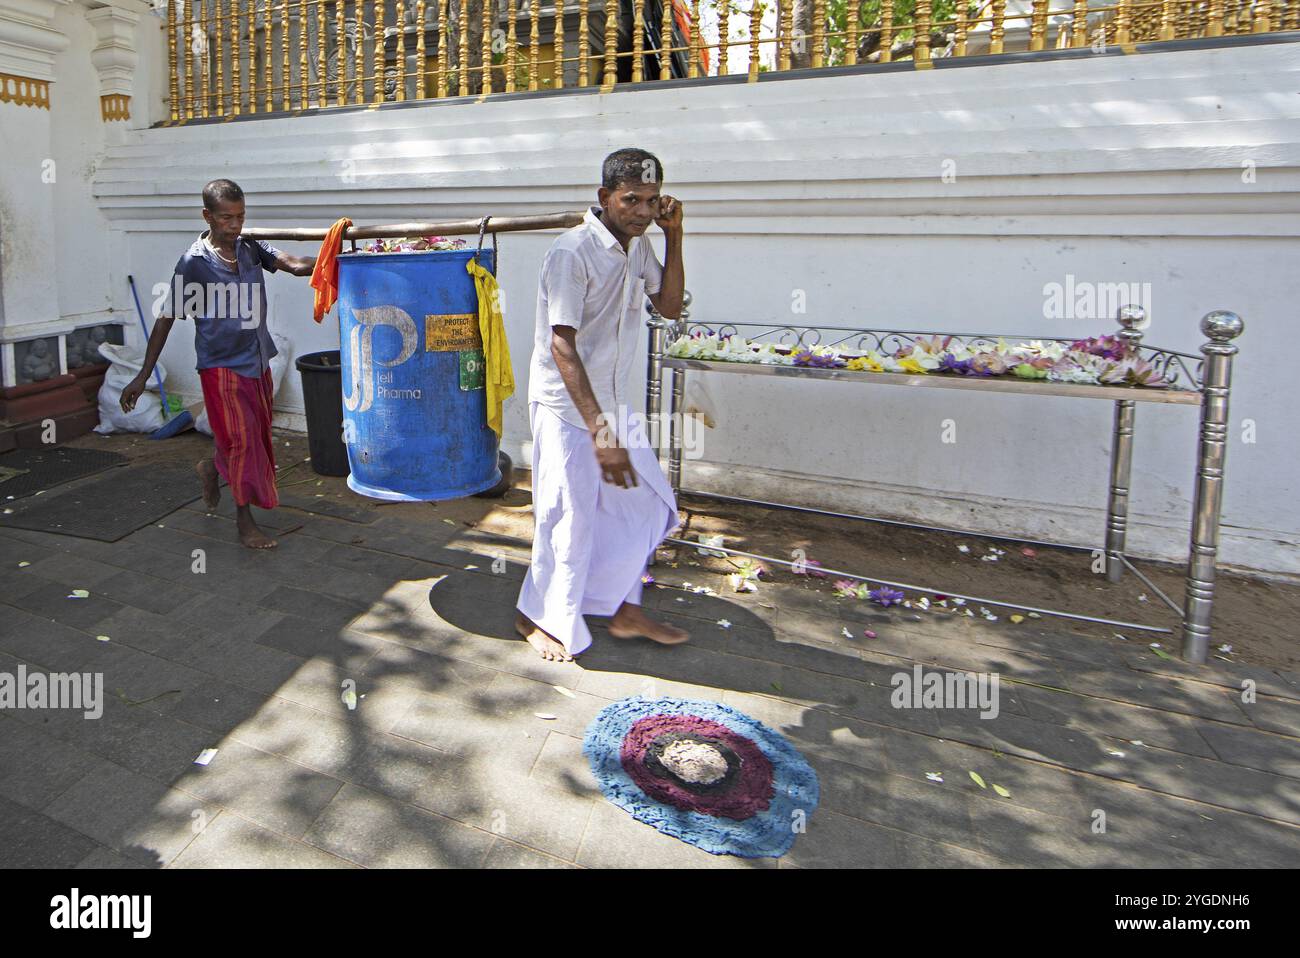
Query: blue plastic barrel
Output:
(414,402)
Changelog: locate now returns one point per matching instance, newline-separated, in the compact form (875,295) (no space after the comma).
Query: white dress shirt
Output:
(590,283)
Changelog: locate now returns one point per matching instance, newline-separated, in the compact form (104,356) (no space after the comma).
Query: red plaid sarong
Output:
(239,412)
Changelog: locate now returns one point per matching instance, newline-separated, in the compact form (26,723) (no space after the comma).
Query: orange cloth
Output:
(325,274)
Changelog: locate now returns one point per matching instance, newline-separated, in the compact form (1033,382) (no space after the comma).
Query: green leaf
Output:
(977,780)
(1162,653)
(1001,791)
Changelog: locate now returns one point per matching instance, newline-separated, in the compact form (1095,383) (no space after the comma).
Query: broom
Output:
(184,419)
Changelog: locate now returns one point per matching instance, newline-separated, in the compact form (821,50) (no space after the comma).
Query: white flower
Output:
(934,776)
(724,623)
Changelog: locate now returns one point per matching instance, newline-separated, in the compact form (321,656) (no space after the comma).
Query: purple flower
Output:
(647,579)
(951,364)
(886,596)
(1107,347)
(806,357)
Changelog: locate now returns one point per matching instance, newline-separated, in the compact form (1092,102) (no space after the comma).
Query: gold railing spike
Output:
(1037,25)
(421,84)
(188,56)
(887,30)
(236,93)
(638,39)
(1168,12)
(340,53)
(400,16)
(175,87)
(219,56)
(380,81)
(1123,17)
(321,72)
(755,31)
(534,45)
(818,57)
(610,73)
(485,48)
(202,55)
(252,56)
(921,33)
(268,57)
(786,34)
(285,103)
(959,44)
(303,92)
(512,43)
(584,44)
(444,57)
(724,35)
(1079,24)
(998,28)
(557,31)
(359,53)
(1263,16)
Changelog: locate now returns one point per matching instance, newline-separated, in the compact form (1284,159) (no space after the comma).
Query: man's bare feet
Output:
(249,534)
(548,648)
(207,471)
(630,622)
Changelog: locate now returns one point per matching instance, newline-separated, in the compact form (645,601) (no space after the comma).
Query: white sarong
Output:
(592,539)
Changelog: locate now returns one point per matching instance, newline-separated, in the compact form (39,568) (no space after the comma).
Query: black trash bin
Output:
(322,396)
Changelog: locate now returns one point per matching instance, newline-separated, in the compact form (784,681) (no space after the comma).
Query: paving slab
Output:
(138,818)
(29,839)
(375,831)
(232,842)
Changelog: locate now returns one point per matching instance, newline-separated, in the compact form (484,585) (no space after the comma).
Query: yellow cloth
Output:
(499,375)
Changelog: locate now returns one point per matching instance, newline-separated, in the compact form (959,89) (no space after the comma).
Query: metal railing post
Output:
(1132,319)
(1222,327)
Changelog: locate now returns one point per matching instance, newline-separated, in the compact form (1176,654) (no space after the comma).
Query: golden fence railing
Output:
(231,57)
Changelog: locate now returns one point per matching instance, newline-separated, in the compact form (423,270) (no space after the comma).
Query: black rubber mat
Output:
(37,469)
(109,508)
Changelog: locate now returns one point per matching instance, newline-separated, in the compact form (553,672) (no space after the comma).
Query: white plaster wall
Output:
(1113,169)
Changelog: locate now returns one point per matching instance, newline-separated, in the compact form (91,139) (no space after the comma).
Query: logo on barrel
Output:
(362,394)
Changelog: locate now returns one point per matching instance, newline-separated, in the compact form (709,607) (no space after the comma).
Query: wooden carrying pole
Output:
(504,224)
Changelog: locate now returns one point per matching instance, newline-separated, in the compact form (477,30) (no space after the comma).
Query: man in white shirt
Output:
(600,499)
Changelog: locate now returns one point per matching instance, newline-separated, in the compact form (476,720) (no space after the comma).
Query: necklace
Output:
(229,262)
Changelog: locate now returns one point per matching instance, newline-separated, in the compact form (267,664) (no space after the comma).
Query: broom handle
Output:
(140,312)
(500,224)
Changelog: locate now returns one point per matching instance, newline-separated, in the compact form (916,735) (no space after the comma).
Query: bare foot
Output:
(630,622)
(211,487)
(249,534)
(548,648)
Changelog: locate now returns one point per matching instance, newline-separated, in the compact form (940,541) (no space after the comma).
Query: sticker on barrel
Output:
(472,369)
(451,332)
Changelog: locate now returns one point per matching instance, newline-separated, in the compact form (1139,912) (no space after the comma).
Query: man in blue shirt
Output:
(218,283)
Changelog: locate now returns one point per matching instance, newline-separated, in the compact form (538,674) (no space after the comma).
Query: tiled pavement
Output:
(444,761)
